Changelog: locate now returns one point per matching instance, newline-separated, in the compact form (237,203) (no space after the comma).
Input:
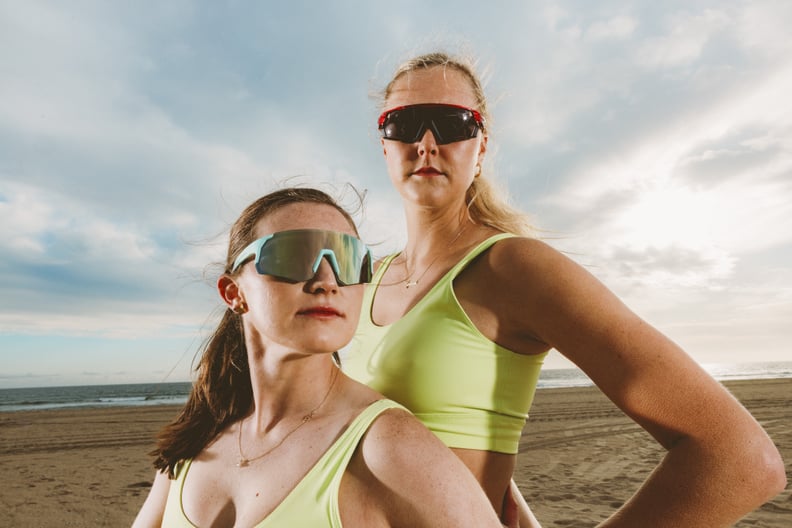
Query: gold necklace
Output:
(406,280)
(244,461)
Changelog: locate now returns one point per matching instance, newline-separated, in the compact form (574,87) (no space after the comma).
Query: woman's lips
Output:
(321,311)
(427,172)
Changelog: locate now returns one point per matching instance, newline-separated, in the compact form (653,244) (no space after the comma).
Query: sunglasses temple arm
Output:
(252,250)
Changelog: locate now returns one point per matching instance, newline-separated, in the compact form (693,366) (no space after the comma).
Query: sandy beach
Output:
(580,457)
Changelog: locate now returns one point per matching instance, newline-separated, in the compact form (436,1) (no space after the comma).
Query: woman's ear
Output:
(482,148)
(230,292)
(384,150)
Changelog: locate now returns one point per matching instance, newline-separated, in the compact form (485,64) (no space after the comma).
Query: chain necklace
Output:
(244,461)
(406,280)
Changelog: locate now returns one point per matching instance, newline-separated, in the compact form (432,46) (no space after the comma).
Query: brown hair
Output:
(487,205)
(222,392)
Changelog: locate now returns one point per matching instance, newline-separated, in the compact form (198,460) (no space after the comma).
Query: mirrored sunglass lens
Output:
(288,257)
(350,254)
(291,255)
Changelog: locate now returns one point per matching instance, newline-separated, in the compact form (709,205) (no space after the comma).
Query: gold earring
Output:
(478,171)
(240,308)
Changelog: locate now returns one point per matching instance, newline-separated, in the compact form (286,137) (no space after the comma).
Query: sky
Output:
(650,141)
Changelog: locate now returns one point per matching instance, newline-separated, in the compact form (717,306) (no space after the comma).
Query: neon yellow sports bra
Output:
(469,391)
(314,501)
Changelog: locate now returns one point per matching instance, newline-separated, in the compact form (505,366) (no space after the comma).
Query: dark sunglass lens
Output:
(401,125)
(448,123)
(455,125)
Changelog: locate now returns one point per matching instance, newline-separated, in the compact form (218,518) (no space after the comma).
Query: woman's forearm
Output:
(705,485)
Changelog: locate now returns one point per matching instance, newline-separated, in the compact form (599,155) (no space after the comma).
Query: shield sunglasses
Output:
(448,123)
(296,255)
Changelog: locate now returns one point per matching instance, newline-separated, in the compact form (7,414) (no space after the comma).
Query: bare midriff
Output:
(492,470)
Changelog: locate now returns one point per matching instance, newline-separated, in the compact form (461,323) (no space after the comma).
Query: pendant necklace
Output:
(406,280)
(244,461)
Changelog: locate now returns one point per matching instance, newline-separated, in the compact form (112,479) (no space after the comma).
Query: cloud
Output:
(763,28)
(655,156)
(617,28)
(672,266)
(680,197)
(66,269)
(684,40)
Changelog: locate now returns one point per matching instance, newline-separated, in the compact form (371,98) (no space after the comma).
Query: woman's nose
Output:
(427,143)
(324,279)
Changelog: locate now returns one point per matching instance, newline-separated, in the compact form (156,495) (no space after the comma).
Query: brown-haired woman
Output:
(273,434)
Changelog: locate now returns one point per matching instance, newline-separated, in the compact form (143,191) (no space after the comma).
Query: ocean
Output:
(136,394)
(176,393)
(573,377)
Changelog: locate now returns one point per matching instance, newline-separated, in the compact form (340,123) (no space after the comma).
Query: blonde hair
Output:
(486,203)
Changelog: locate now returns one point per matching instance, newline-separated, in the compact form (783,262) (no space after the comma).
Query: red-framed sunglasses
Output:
(448,123)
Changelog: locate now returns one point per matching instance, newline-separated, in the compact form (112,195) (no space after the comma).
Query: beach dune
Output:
(580,457)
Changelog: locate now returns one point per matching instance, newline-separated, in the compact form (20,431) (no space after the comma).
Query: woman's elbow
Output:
(766,475)
(776,480)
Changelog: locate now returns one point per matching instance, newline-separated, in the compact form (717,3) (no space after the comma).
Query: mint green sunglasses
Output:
(296,255)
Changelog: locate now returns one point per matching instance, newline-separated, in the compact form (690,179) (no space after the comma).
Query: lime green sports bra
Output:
(471,392)
(314,501)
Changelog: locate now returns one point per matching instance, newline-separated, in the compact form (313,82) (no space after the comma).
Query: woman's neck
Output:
(291,388)
(430,233)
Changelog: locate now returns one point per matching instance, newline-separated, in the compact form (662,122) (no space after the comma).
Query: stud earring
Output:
(241,308)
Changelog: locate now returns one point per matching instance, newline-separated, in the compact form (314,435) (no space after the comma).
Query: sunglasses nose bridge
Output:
(330,257)
(428,138)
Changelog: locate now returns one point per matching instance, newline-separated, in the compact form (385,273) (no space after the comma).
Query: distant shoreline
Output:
(176,393)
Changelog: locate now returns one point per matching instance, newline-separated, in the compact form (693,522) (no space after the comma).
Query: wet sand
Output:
(580,457)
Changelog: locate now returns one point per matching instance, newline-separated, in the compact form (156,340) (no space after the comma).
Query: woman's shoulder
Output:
(517,244)
(522,272)
(398,450)
(416,477)
(519,254)
(395,422)
(395,437)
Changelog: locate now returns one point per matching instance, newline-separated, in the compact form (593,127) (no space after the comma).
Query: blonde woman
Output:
(455,326)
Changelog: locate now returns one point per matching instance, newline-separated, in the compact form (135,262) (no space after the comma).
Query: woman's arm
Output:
(411,479)
(720,463)
(150,515)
